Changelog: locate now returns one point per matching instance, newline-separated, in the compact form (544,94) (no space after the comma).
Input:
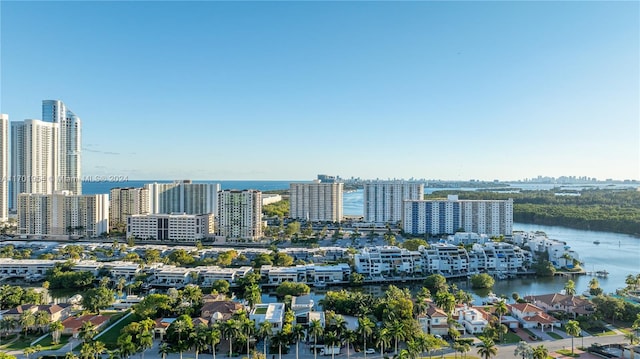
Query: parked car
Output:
(370,351)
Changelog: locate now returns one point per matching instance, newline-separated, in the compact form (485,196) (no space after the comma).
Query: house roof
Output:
(434,311)
(541,318)
(525,307)
(224,307)
(74,323)
(562,299)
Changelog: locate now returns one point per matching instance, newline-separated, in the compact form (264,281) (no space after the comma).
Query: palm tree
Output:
(365,328)
(163,350)
(339,324)
(200,339)
(56,328)
(41,319)
(523,349)
(126,346)
(247,326)
(214,338)
(332,339)
(570,287)
(70,355)
(280,339)
(27,320)
(349,336)
(180,326)
(487,348)
(145,341)
(384,338)
(403,354)
(397,331)
(28,351)
(572,328)
(87,331)
(315,329)
(86,352)
(252,295)
(540,352)
(500,309)
(632,338)
(296,332)
(7,324)
(413,349)
(98,348)
(230,330)
(265,331)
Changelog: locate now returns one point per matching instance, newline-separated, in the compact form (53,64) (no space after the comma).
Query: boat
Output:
(320,284)
(596,242)
(602,273)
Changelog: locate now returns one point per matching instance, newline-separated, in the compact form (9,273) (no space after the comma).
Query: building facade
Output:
(316,201)
(240,214)
(383,200)
(173,227)
(435,217)
(183,197)
(4,167)
(46,154)
(125,202)
(62,214)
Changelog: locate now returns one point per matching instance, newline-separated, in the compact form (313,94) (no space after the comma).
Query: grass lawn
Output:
(261,310)
(110,337)
(567,352)
(22,342)
(510,338)
(46,342)
(554,335)
(600,334)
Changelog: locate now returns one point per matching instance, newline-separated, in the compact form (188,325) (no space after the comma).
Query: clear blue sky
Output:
(286,90)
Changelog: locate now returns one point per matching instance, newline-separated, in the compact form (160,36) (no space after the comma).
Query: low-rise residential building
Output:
(72,325)
(560,254)
(434,321)
(210,274)
(55,311)
(307,273)
(375,261)
(220,310)
(171,276)
(268,312)
(25,268)
(445,259)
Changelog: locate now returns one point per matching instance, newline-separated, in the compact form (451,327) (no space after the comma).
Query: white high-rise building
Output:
(240,214)
(183,197)
(125,202)
(316,201)
(34,148)
(62,214)
(69,144)
(383,200)
(490,217)
(4,167)
(45,154)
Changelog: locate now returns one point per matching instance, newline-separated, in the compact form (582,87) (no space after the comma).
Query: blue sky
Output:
(286,90)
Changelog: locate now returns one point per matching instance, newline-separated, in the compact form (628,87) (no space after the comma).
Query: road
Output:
(504,351)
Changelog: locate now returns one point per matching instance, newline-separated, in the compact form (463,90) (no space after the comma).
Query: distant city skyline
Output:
(287,90)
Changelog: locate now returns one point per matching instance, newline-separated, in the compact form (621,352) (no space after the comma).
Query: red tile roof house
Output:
(531,316)
(434,321)
(72,325)
(569,304)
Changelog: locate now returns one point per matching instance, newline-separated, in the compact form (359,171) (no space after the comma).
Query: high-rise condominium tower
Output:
(69,144)
(4,167)
(383,199)
(240,214)
(316,201)
(45,154)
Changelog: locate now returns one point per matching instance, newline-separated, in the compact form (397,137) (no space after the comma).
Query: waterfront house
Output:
(55,311)
(531,316)
(557,302)
(434,321)
(472,319)
(72,325)
(221,310)
(268,312)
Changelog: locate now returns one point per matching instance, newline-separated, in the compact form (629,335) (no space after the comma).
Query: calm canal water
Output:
(619,254)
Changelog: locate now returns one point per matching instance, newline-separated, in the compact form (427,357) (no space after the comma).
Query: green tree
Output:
(97,298)
(56,329)
(482,280)
(221,286)
(253,295)
(315,329)
(540,352)
(524,350)
(570,287)
(487,349)
(365,328)
(436,283)
(292,288)
(200,338)
(500,308)
(573,329)
(27,320)
(297,332)
(214,338)
(383,339)
(265,331)
(87,331)
(230,329)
